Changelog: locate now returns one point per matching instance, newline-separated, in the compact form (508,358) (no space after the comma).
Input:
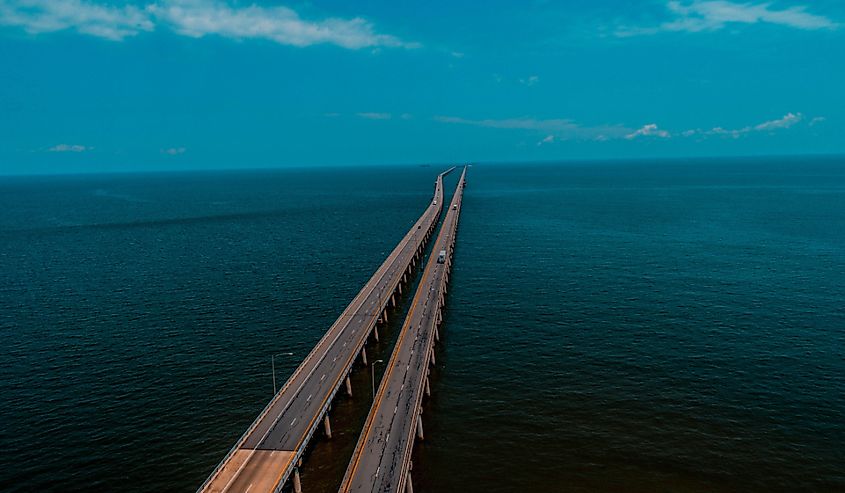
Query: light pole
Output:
(373,375)
(273,366)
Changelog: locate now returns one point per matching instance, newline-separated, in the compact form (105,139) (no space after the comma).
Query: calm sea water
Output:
(611,326)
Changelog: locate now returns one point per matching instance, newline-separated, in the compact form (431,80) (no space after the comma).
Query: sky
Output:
(103,86)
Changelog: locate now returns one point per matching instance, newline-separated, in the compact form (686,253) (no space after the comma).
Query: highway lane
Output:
(382,456)
(266,454)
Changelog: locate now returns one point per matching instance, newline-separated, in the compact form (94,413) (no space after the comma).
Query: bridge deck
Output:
(382,457)
(265,456)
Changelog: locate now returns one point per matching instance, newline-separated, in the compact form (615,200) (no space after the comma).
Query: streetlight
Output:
(373,374)
(273,365)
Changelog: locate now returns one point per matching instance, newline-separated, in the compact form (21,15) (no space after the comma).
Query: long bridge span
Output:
(268,454)
(382,458)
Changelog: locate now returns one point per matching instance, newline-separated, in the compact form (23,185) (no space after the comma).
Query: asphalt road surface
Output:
(382,456)
(265,456)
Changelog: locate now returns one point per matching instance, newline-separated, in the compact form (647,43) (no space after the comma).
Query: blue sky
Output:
(186,84)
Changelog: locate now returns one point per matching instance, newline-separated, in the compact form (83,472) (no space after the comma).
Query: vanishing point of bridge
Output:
(270,452)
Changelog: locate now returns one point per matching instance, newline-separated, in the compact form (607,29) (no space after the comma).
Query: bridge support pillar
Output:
(297,483)
(436,334)
(419,428)
(364,356)
(375,333)
(409,487)
(384,315)
(348,386)
(327,425)
(400,285)
(393,300)
(427,388)
(433,363)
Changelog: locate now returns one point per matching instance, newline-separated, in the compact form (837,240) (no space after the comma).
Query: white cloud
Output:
(546,140)
(815,121)
(197,18)
(69,148)
(42,16)
(787,121)
(193,18)
(558,129)
(530,81)
(174,151)
(649,130)
(375,116)
(712,15)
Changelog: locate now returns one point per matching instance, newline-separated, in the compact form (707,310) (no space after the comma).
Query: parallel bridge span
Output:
(382,458)
(268,453)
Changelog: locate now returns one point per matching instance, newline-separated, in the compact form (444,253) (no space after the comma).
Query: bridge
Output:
(382,458)
(271,449)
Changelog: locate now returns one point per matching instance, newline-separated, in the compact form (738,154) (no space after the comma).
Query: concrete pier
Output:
(297,483)
(382,457)
(266,455)
(327,425)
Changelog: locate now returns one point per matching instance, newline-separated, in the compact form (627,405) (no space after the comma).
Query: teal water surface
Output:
(610,326)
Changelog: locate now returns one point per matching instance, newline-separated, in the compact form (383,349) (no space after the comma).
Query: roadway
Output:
(267,454)
(382,458)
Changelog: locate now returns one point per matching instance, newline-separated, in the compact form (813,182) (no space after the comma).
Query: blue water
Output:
(611,326)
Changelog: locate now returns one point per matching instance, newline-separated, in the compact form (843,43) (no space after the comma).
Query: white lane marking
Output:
(292,422)
(323,377)
(309,398)
(339,331)
(248,488)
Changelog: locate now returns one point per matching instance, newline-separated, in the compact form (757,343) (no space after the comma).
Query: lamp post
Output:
(373,375)
(273,366)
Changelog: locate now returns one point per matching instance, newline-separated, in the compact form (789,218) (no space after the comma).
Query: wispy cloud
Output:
(712,15)
(649,130)
(42,16)
(174,151)
(194,18)
(375,116)
(787,121)
(558,128)
(198,18)
(69,148)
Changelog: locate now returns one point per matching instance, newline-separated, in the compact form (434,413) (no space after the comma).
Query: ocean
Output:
(640,326)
